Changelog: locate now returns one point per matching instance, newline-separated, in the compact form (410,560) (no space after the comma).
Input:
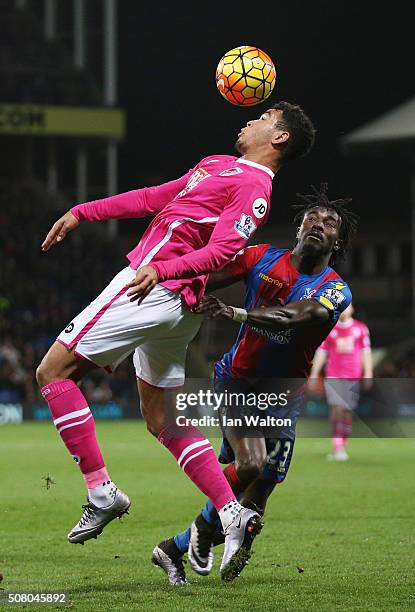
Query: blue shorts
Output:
(280,452)
(279,437)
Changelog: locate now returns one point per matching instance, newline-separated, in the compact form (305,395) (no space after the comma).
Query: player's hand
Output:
(213,308)
(59,230)
(366,384)
(146,279)
(314,385)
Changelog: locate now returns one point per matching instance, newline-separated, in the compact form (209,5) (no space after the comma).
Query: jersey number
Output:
(276,454)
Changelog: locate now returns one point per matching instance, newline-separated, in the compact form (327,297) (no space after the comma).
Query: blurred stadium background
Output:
(100,96)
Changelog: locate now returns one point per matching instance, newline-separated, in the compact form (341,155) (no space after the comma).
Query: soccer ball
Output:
(245,76)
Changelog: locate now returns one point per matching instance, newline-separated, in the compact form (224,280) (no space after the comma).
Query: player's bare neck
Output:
(309,264)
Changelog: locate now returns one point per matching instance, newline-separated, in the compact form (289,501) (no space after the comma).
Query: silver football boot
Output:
(94,519)
(167,556)
(239,537)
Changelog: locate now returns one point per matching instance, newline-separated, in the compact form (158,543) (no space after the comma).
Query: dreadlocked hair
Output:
(348,219)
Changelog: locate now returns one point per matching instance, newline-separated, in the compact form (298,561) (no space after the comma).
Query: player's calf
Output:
(249,468)
(250,455)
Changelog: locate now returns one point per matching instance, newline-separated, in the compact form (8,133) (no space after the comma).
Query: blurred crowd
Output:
(38,70)
(41,292)
(399,361)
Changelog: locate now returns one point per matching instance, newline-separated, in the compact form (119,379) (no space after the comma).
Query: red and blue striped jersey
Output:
(272,280)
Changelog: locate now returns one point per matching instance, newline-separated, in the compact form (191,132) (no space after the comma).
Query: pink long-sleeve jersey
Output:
(202,220)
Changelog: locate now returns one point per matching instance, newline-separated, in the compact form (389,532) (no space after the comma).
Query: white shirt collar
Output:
(345,324)
(255,165)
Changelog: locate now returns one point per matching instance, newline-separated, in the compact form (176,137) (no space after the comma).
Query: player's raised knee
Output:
(59,363)
(47,372)
(43,374)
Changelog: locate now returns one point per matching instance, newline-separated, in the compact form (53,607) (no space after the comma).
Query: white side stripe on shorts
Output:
(190,447)
(71,415)
(76,423)
(167,237)
(196,455)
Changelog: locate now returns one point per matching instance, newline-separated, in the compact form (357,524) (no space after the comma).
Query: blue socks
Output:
(182,540)
(209,513)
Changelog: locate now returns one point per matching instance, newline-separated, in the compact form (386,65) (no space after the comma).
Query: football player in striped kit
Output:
(292,301)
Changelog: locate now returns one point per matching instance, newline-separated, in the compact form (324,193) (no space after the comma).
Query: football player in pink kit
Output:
(201,221)
(347,358)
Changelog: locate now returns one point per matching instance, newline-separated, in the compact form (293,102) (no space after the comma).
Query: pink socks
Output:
(75,424)
(196,457)
(347,431)
(341,432)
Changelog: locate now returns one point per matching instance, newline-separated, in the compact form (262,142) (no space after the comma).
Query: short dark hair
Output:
(301,128)
(348,219)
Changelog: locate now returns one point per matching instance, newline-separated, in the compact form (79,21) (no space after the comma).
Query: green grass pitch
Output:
(349,527)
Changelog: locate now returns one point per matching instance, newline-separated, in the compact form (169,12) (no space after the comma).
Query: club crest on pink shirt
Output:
(231,172)
(198,175)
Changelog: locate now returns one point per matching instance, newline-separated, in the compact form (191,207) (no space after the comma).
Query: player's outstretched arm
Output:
(133,204)
(59,230)
(296,314)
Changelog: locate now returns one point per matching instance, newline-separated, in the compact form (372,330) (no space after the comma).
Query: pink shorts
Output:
(158,331)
